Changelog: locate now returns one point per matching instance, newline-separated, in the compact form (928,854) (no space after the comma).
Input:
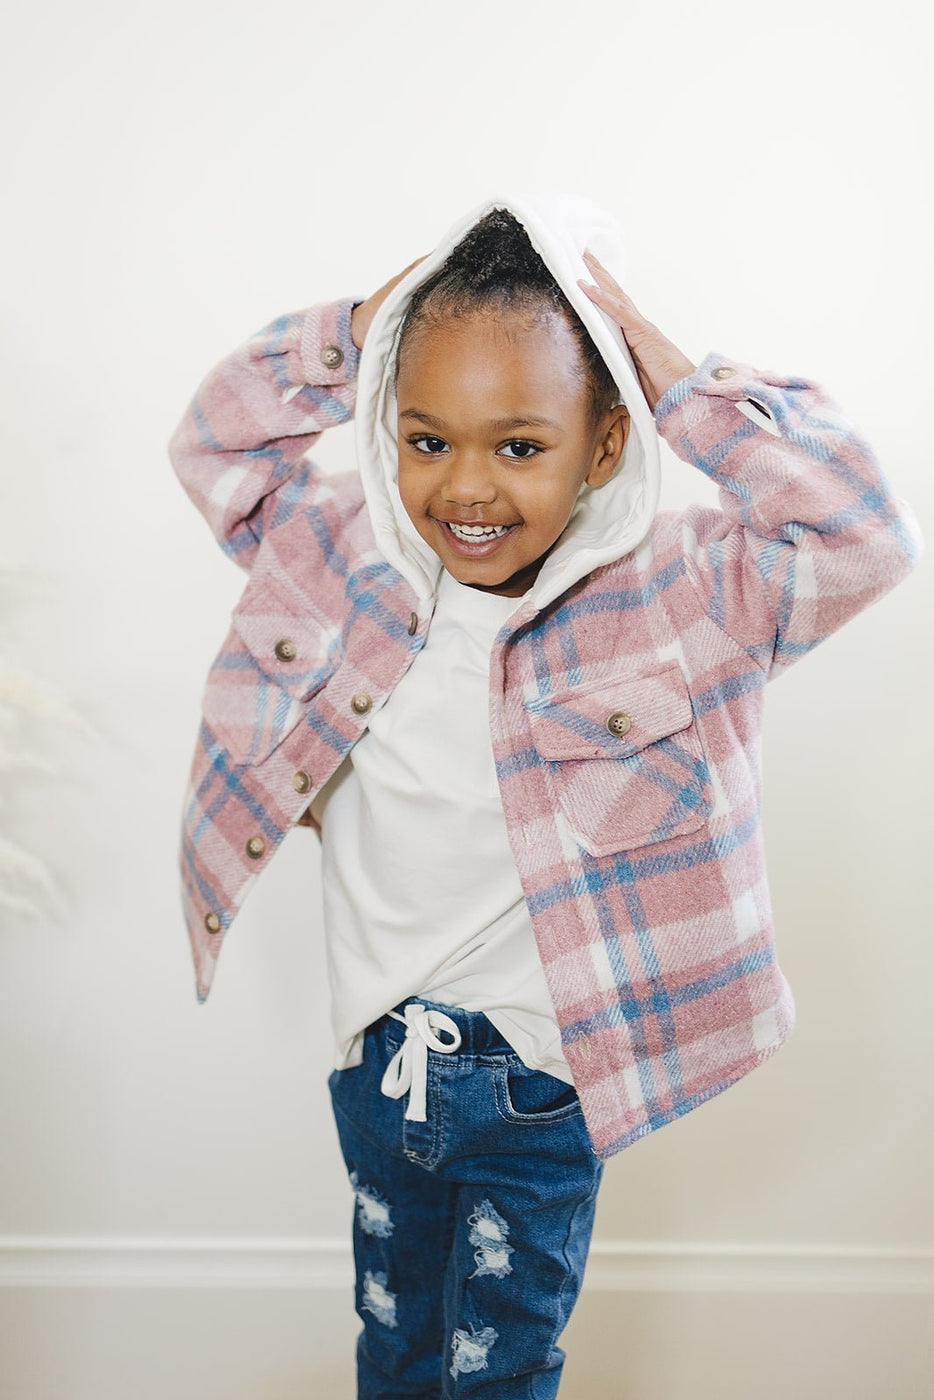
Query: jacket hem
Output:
(736,1072)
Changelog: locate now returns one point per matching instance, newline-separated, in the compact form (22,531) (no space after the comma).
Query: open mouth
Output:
(475,540)
(476,532)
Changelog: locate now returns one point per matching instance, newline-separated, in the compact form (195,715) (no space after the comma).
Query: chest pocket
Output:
(272,663)
(627,760)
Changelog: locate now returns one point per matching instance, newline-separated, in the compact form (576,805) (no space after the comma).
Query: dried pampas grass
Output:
(24,698)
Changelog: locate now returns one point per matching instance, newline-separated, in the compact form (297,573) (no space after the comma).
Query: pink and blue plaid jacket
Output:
(640,852)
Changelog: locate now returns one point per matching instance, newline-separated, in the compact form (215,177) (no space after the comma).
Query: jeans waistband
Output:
(478,1034)
(448,1030)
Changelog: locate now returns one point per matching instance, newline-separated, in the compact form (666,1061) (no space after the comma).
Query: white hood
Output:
(607,522)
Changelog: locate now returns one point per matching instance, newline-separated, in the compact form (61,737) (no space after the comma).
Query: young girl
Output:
(522,708)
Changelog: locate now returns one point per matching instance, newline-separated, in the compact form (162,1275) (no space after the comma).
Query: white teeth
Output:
(477,532)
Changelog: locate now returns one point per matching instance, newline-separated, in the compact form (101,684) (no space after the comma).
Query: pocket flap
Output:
(615,718)
(273,661)
(294,650)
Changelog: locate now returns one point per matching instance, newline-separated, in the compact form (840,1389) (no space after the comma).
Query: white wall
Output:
(173,1204)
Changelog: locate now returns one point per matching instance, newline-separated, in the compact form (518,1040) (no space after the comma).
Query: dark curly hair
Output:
(495,266)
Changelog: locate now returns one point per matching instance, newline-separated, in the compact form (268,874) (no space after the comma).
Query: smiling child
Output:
(522,708)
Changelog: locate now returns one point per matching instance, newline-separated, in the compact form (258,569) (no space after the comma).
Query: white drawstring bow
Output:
(408,1068)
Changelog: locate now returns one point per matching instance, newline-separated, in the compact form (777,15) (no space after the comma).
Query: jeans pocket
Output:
(350,1080)
(525,1095)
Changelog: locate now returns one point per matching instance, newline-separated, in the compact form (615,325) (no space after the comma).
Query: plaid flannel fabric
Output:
(626,714)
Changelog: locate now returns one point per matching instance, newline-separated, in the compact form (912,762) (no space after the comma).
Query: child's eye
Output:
(426,444)
(525,449)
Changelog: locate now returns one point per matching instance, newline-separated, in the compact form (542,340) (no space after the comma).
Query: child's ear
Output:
(614,433)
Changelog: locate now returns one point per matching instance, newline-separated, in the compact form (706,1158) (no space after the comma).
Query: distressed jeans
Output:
(471,1221)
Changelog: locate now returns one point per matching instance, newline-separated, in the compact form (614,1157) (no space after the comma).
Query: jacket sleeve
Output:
(808,532)
(257,413)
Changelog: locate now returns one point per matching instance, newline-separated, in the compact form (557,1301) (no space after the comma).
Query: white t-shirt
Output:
(421,892)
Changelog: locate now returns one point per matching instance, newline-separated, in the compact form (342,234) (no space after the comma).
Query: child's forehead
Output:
(509,339)
(472,379)
(496,321)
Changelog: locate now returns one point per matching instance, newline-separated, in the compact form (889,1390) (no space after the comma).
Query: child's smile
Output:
(477,541)
(496,437)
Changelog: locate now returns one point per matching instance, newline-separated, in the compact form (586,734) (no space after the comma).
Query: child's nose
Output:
(469,480)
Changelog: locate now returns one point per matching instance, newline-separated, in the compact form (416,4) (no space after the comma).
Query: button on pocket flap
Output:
(615,718)
(273,661)
(293,649)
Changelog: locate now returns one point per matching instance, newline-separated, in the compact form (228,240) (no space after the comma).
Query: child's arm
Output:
(256,415)
(809,531)
(259,411)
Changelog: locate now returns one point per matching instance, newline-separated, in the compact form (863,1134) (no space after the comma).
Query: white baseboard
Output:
(85,1318)
(126,1262)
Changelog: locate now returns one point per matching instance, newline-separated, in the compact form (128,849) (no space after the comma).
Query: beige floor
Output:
(158,1344)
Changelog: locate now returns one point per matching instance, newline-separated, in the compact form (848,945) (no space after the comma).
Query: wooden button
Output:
(286,650)
(360,702)
(212,923)
(255,847)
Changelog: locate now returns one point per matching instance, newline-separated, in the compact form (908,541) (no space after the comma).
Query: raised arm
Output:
(256,415)
(259,411)
(809,531)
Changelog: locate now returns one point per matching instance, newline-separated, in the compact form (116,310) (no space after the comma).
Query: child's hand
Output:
(659,363)
(362,315)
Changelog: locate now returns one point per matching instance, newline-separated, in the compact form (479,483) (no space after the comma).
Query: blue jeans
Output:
(471,1228)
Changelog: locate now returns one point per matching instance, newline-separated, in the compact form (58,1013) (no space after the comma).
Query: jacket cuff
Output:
(328,353)
(718,376)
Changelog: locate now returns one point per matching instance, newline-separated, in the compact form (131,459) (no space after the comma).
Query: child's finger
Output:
(617,304)
(596,266)
(610,287)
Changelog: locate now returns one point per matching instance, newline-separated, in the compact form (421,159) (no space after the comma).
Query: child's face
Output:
(495,428)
